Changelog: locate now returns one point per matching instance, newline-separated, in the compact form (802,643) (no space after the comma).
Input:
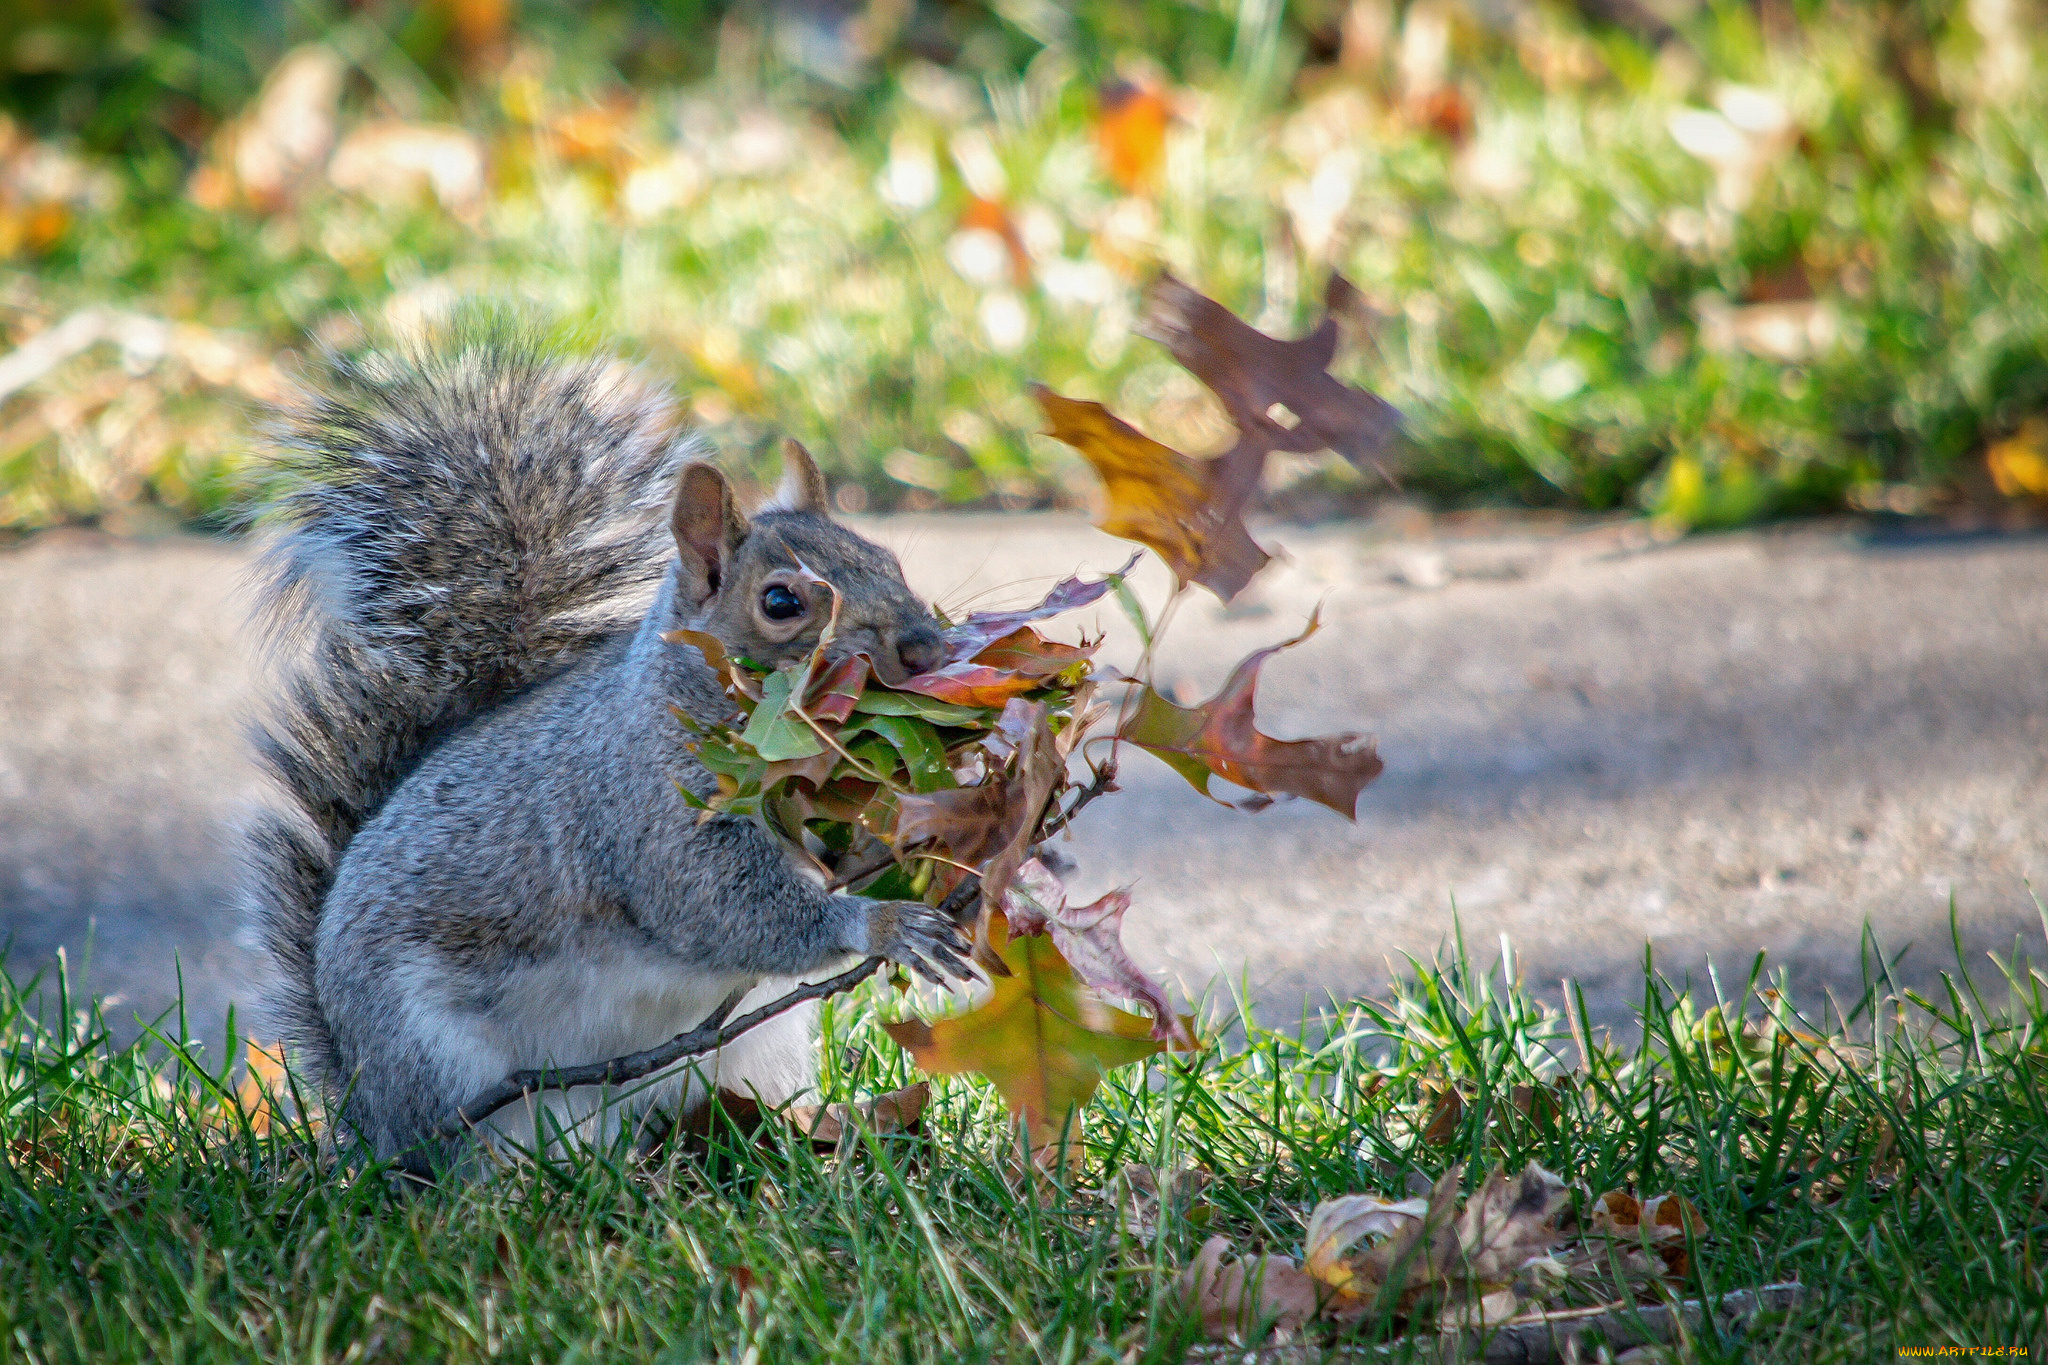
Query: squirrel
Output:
(487,866)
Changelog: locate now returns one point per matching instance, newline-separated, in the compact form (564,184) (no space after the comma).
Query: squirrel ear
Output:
(708,526)
(802,488)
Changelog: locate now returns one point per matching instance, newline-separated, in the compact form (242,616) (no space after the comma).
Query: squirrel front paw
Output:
(914,935)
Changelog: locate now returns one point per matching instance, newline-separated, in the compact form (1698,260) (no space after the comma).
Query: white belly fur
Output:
(568,1015)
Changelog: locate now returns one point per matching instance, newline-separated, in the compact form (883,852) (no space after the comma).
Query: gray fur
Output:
(490,868)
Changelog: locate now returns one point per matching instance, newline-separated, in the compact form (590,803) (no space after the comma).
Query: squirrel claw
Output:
(924,941)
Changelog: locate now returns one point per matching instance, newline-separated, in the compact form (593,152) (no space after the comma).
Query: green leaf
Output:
(878,703)
(924,754)
(774,733)
(1134,610)
(877,753)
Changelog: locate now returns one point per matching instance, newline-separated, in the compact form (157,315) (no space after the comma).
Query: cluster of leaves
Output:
(1511,1253)
(943,785)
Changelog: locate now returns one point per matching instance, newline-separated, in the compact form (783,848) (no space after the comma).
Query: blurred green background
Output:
(1709,262)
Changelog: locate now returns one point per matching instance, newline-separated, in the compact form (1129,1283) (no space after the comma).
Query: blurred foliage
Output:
(1713,263)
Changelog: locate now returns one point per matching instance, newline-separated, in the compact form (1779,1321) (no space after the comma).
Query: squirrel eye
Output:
(779,603)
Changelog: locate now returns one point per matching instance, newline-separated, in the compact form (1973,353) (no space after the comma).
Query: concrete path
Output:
(1726,745)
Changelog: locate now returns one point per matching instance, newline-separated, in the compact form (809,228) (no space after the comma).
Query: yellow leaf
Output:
(1042,1038)
(1158,496)
(2019,464)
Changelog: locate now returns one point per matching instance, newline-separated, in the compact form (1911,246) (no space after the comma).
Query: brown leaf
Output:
(1507,1221)
(1144,1195)
(990,826)
(899,1111)
(1615,1211)
(1245,1300)
(1430,1251)
(1221,737)
(1034,772)
(1159,497)
(1279,393)
(968,823)
(1090,938)
(1446,1117)
(1394,1271)
(1339,1224)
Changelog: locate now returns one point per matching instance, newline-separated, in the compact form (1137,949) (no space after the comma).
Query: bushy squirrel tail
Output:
(455,524)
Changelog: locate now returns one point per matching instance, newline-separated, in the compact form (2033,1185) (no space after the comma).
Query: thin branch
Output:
(709,1036)
(869,863)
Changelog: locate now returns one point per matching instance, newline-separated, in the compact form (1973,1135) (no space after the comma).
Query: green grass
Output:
(1894,1161)
(1565,303)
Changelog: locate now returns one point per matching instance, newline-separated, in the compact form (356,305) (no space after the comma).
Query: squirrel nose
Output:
(920,650)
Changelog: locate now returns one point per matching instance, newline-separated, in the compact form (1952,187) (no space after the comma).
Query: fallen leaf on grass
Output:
(1446,1116)
(1145,1195)
(1220,738)
(1662,1225)
(1341,1223)
(1043,1038)
(898,1111)
(1245,1301)
(1413,1259)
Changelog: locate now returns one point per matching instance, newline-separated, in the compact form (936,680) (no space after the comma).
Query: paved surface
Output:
(1726,745)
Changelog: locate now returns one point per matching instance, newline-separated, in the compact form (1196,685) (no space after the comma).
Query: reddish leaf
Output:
(1026,651)
(1279,393)
(1090,938)
(1020,662)
(1220,738)
(1159,497)
(831,695)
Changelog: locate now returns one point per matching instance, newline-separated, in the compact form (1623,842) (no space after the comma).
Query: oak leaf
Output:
(1280,394)
(1221,738)
(1043,1038)
(1246,1300)
(1090,938)
(1159,497)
